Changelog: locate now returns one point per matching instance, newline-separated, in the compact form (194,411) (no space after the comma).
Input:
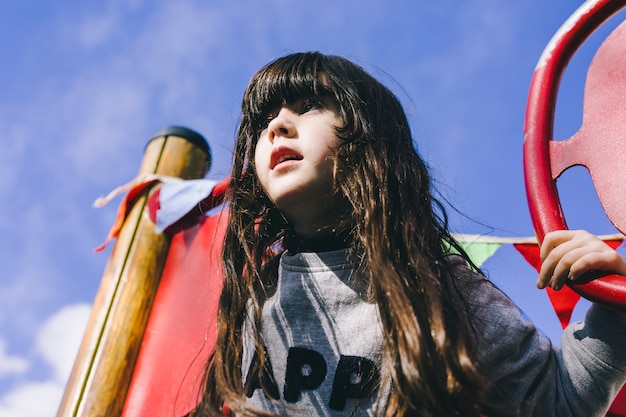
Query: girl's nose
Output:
(282,125)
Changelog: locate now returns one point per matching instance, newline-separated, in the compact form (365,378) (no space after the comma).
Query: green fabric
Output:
(479,252)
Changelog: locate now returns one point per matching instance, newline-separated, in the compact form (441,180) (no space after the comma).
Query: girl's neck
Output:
(320,243)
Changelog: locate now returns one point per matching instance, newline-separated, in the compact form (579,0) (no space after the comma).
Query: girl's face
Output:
(294,162)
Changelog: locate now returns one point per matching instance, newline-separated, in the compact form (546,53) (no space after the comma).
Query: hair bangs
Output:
(285,81)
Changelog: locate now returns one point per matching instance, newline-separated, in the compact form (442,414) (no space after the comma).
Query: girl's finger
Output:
(561,250)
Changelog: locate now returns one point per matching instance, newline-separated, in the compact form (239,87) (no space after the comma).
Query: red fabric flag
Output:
(134,188)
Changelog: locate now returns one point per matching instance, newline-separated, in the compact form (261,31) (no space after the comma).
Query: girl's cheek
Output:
(261,160)
(256,162)
(263,149)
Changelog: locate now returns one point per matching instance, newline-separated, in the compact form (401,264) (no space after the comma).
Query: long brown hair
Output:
(400,241)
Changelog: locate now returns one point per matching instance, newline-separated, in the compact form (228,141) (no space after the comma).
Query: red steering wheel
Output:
(545,159)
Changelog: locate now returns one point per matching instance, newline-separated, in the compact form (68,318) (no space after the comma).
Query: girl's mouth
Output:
(283,155)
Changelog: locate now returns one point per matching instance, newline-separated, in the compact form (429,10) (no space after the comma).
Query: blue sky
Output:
(85,85)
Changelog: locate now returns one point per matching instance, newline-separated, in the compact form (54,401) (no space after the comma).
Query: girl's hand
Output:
(568,254)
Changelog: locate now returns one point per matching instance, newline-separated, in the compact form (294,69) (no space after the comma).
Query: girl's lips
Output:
(281,155)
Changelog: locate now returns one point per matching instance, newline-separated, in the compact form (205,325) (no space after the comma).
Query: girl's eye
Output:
(264,121)
(309,105)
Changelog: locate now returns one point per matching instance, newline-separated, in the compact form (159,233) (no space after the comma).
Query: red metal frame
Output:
(540,180)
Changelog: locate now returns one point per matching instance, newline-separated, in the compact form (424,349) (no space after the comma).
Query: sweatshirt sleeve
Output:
(527,375)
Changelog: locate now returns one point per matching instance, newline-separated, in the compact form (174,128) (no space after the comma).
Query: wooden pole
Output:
(106,358)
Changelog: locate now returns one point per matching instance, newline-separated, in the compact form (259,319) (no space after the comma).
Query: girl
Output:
(340,294)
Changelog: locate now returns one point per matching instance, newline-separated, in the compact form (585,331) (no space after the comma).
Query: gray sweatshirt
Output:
(324,344)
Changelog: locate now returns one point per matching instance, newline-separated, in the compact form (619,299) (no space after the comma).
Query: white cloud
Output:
(59,338)
(12,150)
(57,344)
(31,400)
(96,30)
(31,277)
(10,364)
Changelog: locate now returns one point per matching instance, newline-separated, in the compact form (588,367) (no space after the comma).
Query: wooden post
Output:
(106,359)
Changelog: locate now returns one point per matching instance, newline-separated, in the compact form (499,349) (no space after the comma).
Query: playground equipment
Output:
(599,145)
(155,301)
